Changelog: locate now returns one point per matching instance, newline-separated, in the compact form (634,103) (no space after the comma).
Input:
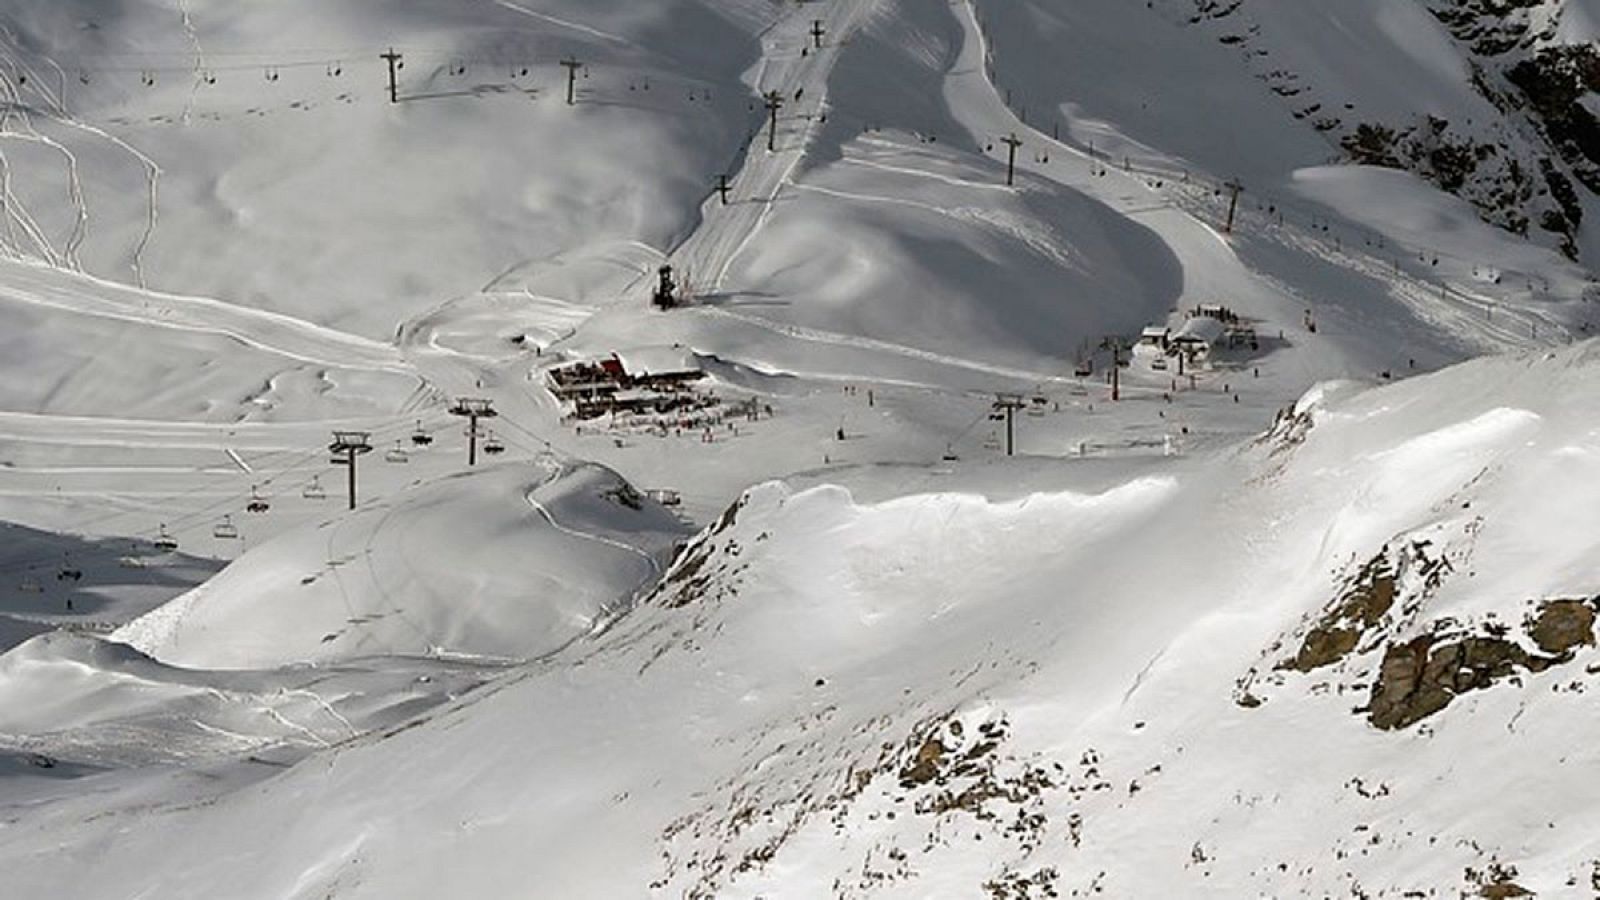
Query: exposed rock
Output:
(1562,625)
(1404,693)
(1519,171)
(1496,882)
(1420,677)
(925,767)
(1365,600)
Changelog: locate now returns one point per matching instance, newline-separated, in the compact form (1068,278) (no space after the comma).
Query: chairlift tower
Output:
(665,295)
(1012,142)
(572,66)
(349,445)
(1007,405)
(473,409)
(774,103)
(1234,188)
(393,59)
(1116,345)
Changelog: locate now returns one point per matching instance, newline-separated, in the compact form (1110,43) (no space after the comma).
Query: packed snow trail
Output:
(269,331)
(725,230)
(1210,268)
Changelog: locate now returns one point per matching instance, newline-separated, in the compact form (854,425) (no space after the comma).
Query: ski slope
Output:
(1088,679)
(833,639)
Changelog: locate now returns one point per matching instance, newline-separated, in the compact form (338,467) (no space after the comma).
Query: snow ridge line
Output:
(544,512)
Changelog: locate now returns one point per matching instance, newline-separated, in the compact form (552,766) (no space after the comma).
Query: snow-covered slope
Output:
(1484,100)
(105,706)
(199,182)
(902,698)
(1174,647)
(511,563)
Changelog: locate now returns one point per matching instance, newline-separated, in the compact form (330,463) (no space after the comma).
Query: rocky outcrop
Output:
(1523,172)
(1421,676)
(1359,609)
(1555,81)
(1381,607)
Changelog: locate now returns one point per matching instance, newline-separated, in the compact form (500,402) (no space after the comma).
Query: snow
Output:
(930,607)
(536,558)
(1201,330)
(642,361)
(871,653)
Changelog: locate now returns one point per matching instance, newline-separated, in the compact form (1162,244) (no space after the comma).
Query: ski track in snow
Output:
(57,112)
(273,332)
(544,513)
(193,37)
(726,231)
(563,23)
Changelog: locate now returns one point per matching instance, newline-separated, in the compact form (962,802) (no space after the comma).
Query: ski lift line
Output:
(295,466)
(187,520)
(546,444)
(982,416)
(180,64)
(1145,167)
(178,69)
(184,61)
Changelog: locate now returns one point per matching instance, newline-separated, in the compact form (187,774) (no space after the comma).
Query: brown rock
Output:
(1562,625)
(925,767)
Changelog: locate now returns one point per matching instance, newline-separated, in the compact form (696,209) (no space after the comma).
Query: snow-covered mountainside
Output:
(839,448)
(1381,611)
(1492,101)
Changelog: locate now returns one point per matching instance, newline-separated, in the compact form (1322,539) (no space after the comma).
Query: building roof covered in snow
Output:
(658,361)
(1200,330)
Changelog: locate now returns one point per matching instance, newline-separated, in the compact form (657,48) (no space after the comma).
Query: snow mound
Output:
(511,562)
(73,700)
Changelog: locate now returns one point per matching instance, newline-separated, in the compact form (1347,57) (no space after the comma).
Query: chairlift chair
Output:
(225,530)
(419,437)
(397,454)
(165,542)
(493,446)
(314,491)
(257,504)
(950,453)
(30,585)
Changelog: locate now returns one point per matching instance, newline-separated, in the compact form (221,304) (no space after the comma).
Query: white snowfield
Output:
(1307,613)
(511,563)
(925,695)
